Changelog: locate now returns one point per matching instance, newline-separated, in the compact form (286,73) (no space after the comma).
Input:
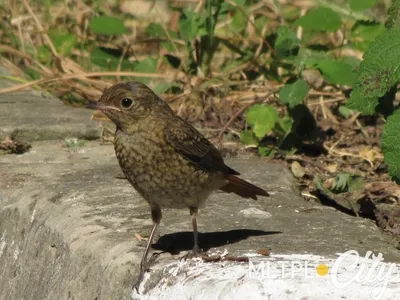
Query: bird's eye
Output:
(126,102)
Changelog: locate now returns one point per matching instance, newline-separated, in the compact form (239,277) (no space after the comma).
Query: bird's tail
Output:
(242,188)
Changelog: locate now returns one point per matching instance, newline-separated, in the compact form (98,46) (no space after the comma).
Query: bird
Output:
(168,161)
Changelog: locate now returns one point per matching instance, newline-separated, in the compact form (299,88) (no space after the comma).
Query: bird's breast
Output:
(156,170)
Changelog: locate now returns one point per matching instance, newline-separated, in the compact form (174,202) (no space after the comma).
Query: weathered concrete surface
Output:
(67,224)
(35,115)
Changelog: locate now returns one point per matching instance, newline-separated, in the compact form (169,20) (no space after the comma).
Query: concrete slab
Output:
(35,116)
(68,223)
(67,226)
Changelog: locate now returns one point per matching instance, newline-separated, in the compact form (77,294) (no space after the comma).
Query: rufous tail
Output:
(242,188)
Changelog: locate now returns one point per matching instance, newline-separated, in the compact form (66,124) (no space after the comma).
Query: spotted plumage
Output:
(169,162)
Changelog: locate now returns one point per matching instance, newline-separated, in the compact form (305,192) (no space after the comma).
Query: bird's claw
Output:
(143,269)
(196,252)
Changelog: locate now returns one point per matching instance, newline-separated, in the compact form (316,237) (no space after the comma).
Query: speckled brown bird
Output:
(169,162)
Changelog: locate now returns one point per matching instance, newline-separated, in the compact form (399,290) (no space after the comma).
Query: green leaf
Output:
(262,118)
(345,112)
(340,183)
(287,43)
(148,65)
(266,151)
(345,182)
(108,61)
(320,19)
(164,87)
(107,25)
(364,33)
(156,30)
(283,126)
(355,183)
(64,42)
(239,2)
(391,144)
(336,71)
(44,54)
(358,5)
(378,72)
(308,58)
(260,22)
(318,182)
(247,137)
(33,73)
(191,24)
(239,21)
(393,15)
(293,94)
(352,61)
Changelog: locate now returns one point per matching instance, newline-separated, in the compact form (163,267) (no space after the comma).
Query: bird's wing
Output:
(190,143)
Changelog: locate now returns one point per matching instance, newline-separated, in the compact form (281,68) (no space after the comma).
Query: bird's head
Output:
(126,103)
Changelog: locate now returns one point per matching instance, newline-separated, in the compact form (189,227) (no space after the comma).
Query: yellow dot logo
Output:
(322,269)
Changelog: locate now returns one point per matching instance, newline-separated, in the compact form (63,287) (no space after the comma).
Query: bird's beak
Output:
(100,106)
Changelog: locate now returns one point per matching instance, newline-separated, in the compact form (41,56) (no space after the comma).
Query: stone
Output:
(70,226)
(68,223)
(32,115)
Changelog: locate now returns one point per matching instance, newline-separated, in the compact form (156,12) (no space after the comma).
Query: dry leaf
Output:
(332,168)
(297,170)
(264,252)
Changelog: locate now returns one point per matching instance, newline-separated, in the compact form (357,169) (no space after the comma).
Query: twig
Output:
(80,75)
(6,48)
(299,33)
(363,131)
(321,102)
(327,101)
(341,153)
(21,39)
(354,119)
(121,59)
(320,93)
(238,113)
(334,145)
(183,64)
(40,27)
(270,48)
(304,194)
(28,59)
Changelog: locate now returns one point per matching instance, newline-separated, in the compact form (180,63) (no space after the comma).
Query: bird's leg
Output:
(156,217)
(193,213)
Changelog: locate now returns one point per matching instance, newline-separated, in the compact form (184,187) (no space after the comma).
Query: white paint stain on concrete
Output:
(33,215)
(3,244)
(254,212)
(279,277)
(16,253)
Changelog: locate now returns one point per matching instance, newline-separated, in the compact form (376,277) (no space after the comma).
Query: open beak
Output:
(100,106)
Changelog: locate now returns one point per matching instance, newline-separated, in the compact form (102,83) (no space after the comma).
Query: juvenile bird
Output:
(169,162)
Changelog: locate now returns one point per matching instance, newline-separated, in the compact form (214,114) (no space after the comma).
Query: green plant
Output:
(294,56)
(376,84)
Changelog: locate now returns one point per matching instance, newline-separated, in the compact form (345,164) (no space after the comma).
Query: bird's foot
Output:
(196,252)
(144,267)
